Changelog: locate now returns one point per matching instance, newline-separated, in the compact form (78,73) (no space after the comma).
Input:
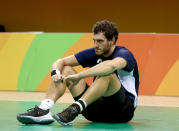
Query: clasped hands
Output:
(70,80)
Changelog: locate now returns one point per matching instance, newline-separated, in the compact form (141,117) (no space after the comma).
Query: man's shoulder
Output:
(122,49)
(88,49)
(86,53)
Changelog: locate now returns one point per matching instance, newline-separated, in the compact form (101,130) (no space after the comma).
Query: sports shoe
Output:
(67,116)
(35,116)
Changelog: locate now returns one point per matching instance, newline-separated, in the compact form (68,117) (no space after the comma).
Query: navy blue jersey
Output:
(128,76)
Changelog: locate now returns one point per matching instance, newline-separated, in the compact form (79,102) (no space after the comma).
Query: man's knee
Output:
(68,70)
(112,79)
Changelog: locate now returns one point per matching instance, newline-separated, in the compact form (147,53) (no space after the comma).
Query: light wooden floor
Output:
(67,98)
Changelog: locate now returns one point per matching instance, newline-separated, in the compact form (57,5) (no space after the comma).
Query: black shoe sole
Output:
(29,121)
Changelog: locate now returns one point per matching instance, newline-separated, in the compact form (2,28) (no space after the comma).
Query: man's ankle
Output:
(82,104)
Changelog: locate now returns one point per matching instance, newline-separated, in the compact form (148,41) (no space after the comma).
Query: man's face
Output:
(101,44)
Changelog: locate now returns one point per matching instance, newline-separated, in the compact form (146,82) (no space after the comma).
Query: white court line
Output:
(144,100)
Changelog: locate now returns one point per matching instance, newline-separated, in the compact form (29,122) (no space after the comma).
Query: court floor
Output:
(147,118)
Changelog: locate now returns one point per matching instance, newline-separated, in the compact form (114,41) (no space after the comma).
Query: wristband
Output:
(54,72)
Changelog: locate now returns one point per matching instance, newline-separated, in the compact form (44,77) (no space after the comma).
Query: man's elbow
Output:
(120,64)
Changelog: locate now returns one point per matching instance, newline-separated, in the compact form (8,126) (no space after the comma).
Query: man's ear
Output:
(113,40)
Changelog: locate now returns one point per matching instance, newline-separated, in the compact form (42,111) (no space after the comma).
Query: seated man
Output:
(112,97)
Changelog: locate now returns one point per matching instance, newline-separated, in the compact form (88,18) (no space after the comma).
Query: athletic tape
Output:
(54,72)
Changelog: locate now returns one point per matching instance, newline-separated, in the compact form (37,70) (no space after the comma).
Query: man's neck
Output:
(110,51)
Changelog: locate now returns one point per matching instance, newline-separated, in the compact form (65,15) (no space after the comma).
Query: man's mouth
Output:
(97,49)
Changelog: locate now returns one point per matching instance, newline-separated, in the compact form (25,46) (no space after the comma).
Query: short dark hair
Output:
(109,29)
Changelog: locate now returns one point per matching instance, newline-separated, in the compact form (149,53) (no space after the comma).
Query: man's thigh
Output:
(110,109)
(114,85)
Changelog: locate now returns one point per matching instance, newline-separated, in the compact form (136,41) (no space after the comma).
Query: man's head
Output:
(105,35)
(109,29)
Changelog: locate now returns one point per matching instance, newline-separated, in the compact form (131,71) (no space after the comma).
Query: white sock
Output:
(46,104)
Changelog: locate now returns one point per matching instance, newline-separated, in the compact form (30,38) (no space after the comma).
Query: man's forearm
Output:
(67,61)
(101,69)
(104,68)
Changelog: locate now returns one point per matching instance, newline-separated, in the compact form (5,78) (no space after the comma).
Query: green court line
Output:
(146,119)
(43,51)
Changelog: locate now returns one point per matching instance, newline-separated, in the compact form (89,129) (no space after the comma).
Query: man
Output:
(112,97)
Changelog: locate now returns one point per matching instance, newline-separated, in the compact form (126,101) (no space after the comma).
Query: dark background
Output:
(160,16)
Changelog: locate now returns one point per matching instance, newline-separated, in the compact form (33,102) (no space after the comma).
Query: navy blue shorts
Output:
(118,108)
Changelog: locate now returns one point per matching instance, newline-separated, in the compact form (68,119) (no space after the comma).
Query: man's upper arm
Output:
(128,57)
(70,61)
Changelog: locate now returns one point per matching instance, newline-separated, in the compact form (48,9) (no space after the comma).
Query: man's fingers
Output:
(68,82)
(62,79)
(53,79)
(57,78)
(66,79)
(71,85)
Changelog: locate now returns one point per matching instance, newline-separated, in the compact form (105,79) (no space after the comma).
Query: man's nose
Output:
(96,44)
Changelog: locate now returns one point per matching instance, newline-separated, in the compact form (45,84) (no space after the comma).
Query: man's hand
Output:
(56,76)
(72,79)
